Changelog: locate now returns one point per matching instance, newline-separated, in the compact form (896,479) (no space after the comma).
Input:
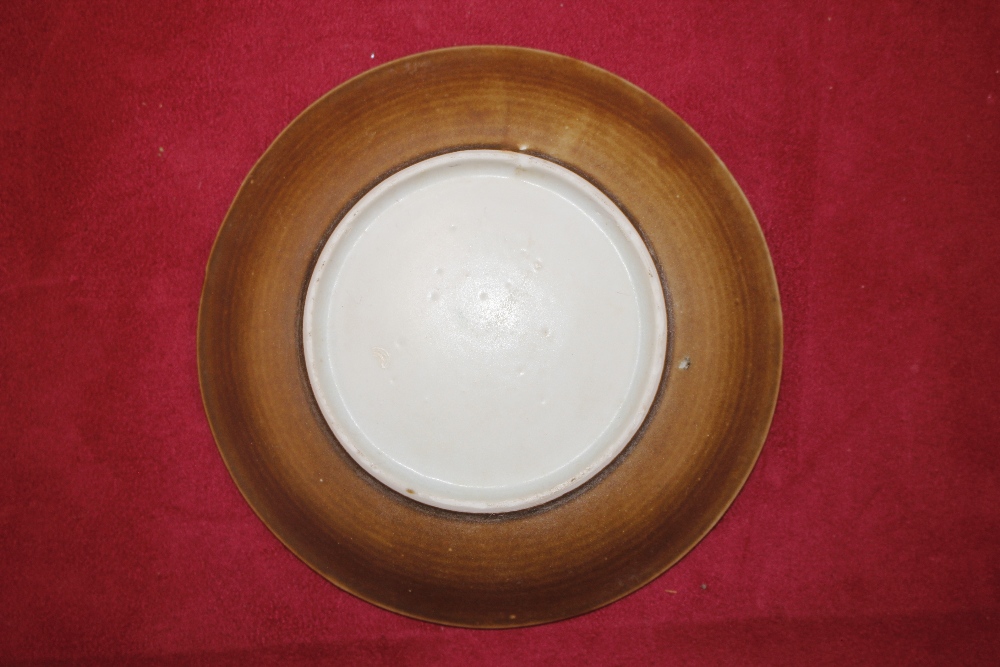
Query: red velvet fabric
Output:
(866,137)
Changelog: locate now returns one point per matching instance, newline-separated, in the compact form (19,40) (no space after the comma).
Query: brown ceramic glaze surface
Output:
(603,540)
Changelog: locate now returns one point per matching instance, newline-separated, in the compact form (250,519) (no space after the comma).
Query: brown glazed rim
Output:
(605,539)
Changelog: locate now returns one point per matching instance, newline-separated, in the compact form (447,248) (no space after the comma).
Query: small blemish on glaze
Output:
(381,356)
(483,296)
(434,295)
(538,265)
(685,364)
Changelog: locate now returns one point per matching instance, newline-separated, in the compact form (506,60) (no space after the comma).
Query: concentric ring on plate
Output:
(627,524)
(484,331)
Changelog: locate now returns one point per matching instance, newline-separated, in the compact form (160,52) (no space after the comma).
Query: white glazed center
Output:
(484,331)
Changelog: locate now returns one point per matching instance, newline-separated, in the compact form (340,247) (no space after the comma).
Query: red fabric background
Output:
(866,137)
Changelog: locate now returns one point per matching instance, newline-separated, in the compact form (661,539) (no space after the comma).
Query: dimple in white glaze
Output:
(484,331)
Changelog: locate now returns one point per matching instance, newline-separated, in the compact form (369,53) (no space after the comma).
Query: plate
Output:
(489,337)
